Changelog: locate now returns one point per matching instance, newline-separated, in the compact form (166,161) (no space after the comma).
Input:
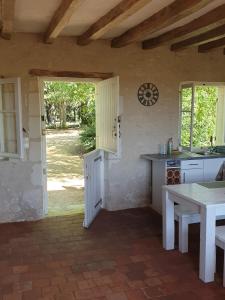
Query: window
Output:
(10,118)
(201,115)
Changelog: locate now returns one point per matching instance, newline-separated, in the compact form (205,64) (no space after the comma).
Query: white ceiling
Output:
(34,16)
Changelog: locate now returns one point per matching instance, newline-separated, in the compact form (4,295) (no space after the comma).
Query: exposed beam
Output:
(7,18)
(60,19)
(74,74)
(211,45)
(165,17)
(115,16)
(211,19)
(208,36)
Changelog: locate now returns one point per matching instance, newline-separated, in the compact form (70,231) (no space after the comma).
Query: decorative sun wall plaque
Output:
(148,94)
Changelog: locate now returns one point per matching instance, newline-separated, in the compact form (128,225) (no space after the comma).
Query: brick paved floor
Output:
(119,258)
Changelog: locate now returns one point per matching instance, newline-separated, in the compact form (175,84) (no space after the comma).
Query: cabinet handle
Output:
(184,177)
(193,164)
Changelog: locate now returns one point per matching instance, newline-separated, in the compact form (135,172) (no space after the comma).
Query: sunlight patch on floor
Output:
(61,185)
(65,174)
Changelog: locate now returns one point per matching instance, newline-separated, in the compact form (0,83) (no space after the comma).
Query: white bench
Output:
(185,216)
(220,242)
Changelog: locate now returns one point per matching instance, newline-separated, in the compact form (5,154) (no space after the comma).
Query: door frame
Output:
(41,80)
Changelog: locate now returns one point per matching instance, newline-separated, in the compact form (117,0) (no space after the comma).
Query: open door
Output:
(107,122)
(43,143)
(93,182)
(107,136)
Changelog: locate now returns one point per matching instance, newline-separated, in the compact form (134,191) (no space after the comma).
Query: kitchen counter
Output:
(181,156)
(185,167)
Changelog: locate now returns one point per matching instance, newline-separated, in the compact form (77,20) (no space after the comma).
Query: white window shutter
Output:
(11,144)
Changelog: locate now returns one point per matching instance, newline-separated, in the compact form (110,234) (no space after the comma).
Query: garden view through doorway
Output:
(70,133)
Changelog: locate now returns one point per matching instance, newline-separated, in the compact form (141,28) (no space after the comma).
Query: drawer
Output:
(192,164)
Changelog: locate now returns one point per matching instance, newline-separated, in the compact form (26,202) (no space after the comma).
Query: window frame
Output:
(183,86)
(193,85)
(18,112)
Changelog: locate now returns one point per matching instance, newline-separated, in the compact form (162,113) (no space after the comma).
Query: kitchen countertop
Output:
(181,156)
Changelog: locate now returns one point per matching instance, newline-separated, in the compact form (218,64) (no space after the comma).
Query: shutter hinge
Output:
(99,202)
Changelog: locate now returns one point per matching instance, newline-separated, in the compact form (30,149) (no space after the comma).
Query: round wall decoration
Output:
(148,94)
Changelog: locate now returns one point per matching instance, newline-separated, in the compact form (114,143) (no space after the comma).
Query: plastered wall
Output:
(143,128)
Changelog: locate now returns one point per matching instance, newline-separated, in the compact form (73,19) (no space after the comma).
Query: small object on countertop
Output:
(162,149)
(176,151)
(170,146)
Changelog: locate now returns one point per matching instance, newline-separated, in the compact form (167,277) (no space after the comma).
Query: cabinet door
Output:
(192,175)
(211,168)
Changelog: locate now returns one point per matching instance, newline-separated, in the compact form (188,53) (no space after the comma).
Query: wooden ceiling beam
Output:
(208,36)
(7,18)
(115,16)
(170,14)
(60,19)
(209,20)
(211,45)
(69,74)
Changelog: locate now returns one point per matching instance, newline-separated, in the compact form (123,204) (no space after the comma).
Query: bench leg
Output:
(224,269)
(215,262)
(183,234)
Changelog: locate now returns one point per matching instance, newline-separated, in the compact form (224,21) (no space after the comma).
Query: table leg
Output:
(168,222)
(207,244)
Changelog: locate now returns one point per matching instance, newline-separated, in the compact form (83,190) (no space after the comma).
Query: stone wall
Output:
(143,128)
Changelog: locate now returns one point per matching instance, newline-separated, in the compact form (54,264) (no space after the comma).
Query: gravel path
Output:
(65,173)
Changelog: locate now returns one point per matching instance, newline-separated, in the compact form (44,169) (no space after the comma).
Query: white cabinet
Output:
(191,171)
(191,175)
(211,168)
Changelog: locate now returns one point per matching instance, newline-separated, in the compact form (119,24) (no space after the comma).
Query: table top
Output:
(198,194)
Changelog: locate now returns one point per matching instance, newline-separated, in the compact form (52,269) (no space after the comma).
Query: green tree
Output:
(204,117)
(69,101)
(72,102)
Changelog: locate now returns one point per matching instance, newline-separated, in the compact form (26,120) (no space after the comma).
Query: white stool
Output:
(220,242)
(184,216)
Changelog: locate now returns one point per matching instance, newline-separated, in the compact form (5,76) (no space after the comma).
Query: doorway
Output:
(69,109)
(108,141)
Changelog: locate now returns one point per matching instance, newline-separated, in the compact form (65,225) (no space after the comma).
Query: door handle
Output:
(184,177)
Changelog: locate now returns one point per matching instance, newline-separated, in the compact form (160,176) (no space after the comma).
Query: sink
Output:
(207,153)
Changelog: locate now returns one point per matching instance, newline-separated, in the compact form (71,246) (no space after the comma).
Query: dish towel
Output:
(221,174)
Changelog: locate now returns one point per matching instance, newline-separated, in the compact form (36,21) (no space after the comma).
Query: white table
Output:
(210,203)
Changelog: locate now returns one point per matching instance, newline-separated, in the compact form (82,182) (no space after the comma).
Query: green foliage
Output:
(69,102)
(88,138)
(204,118)
(72,104)
(186,116)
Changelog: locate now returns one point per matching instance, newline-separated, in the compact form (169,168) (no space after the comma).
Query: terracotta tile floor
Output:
(119,258)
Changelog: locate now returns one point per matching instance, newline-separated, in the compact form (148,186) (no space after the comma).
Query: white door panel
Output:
(192,175)
(93,182)
(107,140)
(44,147)
(107,106)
